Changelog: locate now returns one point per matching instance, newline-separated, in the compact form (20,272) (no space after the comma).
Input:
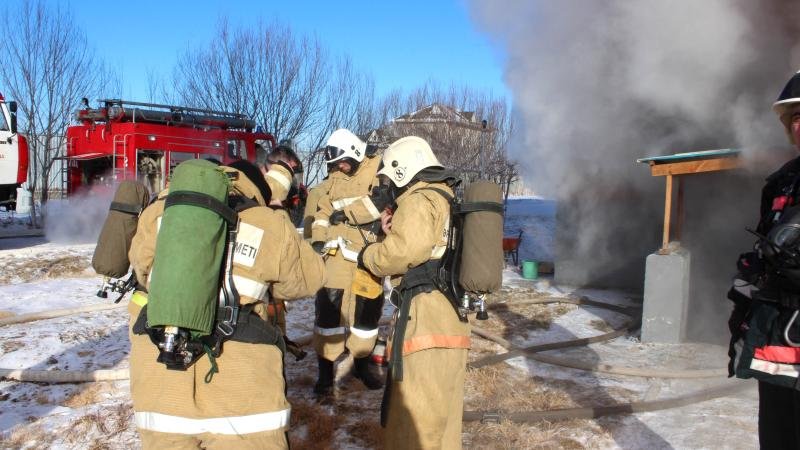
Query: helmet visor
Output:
(333,153)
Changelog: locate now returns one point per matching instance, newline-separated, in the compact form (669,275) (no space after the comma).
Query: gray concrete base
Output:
(666,296)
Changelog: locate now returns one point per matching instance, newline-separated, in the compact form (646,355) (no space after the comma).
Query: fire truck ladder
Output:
(178,115)
(64,172)
(119,151)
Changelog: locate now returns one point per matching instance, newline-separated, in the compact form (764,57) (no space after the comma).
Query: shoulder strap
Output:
(240,203)
(203,201)
(126,208)
(481,206)
(447,196)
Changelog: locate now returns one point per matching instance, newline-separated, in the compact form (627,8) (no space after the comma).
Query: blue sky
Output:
(401,43)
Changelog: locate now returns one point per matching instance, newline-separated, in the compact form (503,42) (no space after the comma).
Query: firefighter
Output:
(424,395)
(283,171)
(313,199)
(767,295)
(341,227)
(244,404)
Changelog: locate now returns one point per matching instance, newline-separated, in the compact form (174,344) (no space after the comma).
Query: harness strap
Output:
(251,329)
(480,206)
(126,208)
(417,280)
(203,201)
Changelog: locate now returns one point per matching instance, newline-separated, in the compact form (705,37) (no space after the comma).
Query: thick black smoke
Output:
(597,85)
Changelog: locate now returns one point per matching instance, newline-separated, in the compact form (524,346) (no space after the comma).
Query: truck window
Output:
(3,123)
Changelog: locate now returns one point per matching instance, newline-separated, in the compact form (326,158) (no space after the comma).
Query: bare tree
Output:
(46,65)
(286,82)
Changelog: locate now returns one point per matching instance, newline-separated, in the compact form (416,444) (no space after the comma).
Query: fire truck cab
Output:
(124,140)
(13,154)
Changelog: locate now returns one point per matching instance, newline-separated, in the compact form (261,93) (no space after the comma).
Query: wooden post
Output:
(667,216)
(679,211)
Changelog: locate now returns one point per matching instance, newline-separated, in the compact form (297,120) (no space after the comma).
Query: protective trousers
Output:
(425,409)
(244,405)
(778,417)
(344,320)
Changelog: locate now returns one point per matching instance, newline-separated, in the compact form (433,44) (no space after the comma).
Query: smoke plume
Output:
(597,85)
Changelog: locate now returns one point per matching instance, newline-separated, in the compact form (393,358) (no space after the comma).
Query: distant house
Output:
(432,121)
(459,140)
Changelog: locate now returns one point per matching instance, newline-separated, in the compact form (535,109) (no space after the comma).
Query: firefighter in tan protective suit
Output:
(342,225)
(312,201)
(244,404)
(423,403)
(283,171)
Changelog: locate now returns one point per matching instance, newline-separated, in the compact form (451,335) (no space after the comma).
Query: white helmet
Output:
(406,158)
(344,144)
(788,103)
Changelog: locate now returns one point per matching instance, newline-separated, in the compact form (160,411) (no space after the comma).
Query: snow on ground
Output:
(535,217)
(38,275)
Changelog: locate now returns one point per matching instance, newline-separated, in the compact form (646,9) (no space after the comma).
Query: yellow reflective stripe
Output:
(364,334)
(337,331)
(350,255)
(341,203)
(321,223)
(438,251)
(250,287)
(280,178)
(371,209)
(233,425)
(139,298)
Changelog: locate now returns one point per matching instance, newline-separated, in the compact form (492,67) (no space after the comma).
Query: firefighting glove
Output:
(741,307)
(750,266)
(337,217)
(317,246)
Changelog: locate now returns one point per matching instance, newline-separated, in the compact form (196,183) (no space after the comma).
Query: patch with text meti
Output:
(248,241)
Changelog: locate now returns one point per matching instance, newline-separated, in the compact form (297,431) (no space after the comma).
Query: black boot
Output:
(324,386)
(361,371)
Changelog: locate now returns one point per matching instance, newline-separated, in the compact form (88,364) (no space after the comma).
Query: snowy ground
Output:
(37,275)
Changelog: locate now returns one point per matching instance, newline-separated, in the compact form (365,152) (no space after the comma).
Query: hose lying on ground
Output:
(76,376)
(608,410)
(532,352)
(723,390)
(52,314)
(64,376)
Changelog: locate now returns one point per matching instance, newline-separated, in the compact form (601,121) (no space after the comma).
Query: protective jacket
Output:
(764,310)
(344,319)
(425,407)
(312,202)
(349,194)
(245,403)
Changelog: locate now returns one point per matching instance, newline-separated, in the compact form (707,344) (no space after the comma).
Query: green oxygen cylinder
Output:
(185,279)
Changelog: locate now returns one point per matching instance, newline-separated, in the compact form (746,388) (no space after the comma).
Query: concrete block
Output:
(666,296)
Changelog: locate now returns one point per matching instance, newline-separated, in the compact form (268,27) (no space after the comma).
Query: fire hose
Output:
(76,376)
(591,412)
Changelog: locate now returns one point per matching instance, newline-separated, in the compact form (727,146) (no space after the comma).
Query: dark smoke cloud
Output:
(598,84)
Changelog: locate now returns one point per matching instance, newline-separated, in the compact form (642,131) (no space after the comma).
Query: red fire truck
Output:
(13,154)
(145,141)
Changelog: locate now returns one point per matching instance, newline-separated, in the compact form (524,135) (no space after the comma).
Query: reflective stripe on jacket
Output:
(235,425)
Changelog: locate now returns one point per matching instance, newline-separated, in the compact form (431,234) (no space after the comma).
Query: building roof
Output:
(437,112)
